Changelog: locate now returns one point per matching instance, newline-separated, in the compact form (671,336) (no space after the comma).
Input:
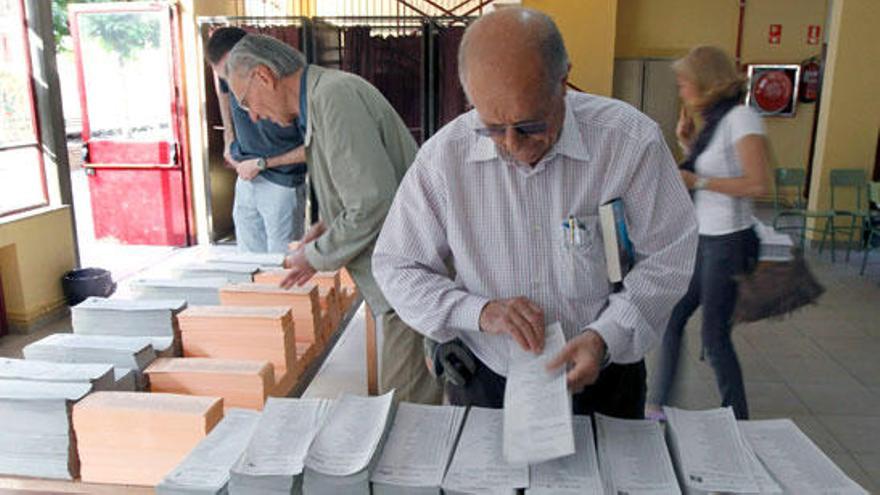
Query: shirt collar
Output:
(571,142)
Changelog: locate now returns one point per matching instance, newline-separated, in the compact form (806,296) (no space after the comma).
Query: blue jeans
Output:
(719,259)
(267,216)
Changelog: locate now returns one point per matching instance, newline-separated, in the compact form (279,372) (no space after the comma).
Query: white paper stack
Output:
(633,457)
(126,318)
(575,474)
(709,452)
(798,465)
(134,353)
(37,438)
(268,260)
(775,246)
(478,465)
(99,376)
(344,451)
(196,291)
(273,461)
(418,450)
(537,404)
(205,471)
(232,272)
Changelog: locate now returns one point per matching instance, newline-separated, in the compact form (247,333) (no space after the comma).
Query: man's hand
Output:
(520,318)
(300,269)
(315,231)
(247,169)
(585,353)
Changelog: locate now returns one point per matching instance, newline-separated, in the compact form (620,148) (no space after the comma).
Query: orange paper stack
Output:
(241,333)
(240,383)
(348,291)
(303,301)
(321,279)
(132,438)
(331,312)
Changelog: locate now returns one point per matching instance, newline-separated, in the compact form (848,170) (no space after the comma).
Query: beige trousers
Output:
(403,365)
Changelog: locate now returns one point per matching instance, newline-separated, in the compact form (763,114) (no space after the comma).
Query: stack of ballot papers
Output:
(124,353)
(240,383)
(303,301)
(633,457)
(267,260)
(37,439)
(274,458)
(478,465)
(329,280)
(537,405)
(126,318)
(575,474)
(133,438)
(331,310)
(232,272)
(193,291)
(347,446)
(155,320)
(418,450)
(712,456)
(99,376)
(794,461)
(240,332)
(205,471)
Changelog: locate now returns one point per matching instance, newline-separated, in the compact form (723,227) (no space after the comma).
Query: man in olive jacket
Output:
(358,150)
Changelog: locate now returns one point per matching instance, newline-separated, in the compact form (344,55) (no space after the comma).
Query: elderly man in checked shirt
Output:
(491,191)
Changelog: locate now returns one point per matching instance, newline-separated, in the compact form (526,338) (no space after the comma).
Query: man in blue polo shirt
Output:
(270,192)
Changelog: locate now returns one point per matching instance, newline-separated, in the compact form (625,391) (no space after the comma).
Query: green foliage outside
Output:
(121,34)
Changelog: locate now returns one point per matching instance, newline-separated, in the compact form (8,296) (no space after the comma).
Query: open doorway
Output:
(124,116)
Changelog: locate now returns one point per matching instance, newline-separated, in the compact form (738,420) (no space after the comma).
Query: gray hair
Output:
(257,49)
(550,45)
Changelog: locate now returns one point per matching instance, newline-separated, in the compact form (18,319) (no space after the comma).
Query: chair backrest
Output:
(789,177)
(848,178)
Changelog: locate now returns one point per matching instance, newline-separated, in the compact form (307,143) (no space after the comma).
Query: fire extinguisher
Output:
(810,71)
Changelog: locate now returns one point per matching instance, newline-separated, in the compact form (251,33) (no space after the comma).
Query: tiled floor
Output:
(821,367)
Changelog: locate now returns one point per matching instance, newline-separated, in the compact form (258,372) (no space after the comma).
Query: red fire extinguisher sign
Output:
(813,32)
(775,36)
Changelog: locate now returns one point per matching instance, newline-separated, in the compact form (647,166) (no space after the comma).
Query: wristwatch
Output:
(262,164)
(701,183)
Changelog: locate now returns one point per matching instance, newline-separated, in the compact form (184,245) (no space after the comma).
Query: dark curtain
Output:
(288,34)
(393,64)
(451,100)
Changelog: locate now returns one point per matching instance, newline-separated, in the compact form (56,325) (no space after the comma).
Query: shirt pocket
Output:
(583,275)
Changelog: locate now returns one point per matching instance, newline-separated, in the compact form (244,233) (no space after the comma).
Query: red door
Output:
(133,117)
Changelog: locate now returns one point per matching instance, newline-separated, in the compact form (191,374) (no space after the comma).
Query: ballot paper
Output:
(130,318)
(633,457)
(418,449)
(575,474)
(349,437)
(99,376)
(537,404)
(709,451)
(232,272)
(206,469)
(795,461)
(273,459)
(478,465)
(766,484)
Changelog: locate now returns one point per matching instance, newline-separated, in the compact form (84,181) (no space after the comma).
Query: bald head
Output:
(513,45)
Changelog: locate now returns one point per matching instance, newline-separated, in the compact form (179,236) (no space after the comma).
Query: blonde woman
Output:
(726,167)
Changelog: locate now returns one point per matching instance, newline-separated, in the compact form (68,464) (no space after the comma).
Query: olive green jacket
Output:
(358,150)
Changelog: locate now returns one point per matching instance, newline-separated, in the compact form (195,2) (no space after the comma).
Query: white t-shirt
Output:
(718,213)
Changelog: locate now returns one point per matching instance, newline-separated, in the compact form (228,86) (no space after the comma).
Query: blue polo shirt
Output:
(265,139)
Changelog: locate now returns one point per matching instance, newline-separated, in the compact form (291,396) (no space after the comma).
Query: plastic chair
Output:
(794,178)
(853,180)
(872,222)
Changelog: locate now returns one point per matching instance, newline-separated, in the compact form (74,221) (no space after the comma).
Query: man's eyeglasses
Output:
(242,101)
(522,129)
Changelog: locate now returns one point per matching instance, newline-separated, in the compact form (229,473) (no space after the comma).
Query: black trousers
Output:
(619,391)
